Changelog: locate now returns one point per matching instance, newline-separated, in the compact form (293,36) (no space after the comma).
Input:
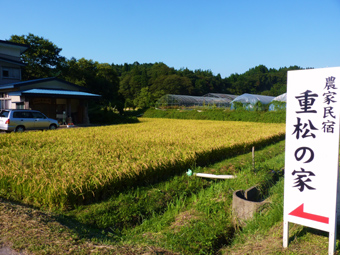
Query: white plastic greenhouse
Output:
(281,98)
(250,100)
(187,101)
(278,106)
(218,95)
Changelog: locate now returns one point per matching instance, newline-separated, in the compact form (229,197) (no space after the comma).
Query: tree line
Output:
(141,85)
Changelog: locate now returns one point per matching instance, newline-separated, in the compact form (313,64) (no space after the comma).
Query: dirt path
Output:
(8,251)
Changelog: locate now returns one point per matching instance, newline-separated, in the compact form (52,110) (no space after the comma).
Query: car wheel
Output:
(20,129)
(52,127)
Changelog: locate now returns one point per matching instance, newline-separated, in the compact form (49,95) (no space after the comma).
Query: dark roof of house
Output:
(37,81)
(12,61)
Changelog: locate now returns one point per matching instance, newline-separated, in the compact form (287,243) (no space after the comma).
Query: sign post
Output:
(312,151)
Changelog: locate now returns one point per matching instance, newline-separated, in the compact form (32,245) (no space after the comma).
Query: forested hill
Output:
(140,85)
(140,82)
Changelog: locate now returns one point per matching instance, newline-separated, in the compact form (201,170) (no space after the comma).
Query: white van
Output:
(21,120)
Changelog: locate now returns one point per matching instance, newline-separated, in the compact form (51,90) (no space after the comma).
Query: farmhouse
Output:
(56,98)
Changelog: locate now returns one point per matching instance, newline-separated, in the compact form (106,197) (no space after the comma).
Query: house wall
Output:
(9,73)
(14,100)
(59,108)
(11,102)
(5,103)
(10,51)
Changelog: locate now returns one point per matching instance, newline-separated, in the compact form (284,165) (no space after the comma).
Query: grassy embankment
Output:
(218,114)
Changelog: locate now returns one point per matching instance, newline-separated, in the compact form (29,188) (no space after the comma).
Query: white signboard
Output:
(312,150)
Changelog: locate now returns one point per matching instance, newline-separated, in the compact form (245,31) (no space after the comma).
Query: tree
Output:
(201,87)
(106,82)
(172,84)
(42,57)
(81,72)
(143,100)
(125,90)
(99,78)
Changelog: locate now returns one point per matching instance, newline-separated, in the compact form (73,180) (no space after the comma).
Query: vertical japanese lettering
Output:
(305,129)
(328,112)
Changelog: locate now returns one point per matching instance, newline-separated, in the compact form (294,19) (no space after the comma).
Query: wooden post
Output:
(253,156)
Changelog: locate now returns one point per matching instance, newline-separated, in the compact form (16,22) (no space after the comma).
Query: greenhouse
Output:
(278,103)
(190,101)
(218,95)
(251,102)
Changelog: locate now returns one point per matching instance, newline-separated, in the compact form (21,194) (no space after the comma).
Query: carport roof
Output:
(54,93)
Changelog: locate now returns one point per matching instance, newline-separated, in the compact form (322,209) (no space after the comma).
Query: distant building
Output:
(250,100)
(56,98)
(219,95)
(278,103)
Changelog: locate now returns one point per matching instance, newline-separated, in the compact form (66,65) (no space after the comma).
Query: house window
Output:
(20,105)
(5,73)
(13,73)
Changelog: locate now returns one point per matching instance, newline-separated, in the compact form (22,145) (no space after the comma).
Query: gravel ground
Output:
(8,251)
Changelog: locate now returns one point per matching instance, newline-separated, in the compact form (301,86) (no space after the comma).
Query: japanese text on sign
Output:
(305,129)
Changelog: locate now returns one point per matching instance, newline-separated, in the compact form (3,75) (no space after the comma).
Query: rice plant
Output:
(78,166)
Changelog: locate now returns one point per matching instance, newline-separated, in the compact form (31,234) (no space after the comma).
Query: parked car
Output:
(21,120)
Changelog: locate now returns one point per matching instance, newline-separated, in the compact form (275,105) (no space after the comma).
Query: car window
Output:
(38,115)
(27,115)
(4,114)
(22,115)
(17,115)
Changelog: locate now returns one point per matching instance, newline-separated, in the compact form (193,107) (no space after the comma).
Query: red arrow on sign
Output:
(298,212)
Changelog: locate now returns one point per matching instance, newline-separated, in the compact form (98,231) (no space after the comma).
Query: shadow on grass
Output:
(303,231)
(79,229)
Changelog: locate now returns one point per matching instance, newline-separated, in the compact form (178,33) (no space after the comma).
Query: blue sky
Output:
(222,36)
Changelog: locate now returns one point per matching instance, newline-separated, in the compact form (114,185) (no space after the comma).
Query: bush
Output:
(219,114)
(108,115)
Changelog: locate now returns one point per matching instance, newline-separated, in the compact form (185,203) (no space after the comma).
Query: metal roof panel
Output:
(53,92)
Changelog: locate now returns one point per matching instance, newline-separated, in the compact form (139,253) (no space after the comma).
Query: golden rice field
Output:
(71,166)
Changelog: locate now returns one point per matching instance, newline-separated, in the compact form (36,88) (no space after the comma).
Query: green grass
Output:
(190,215)
(263,234)
(218,114)
(201,224)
